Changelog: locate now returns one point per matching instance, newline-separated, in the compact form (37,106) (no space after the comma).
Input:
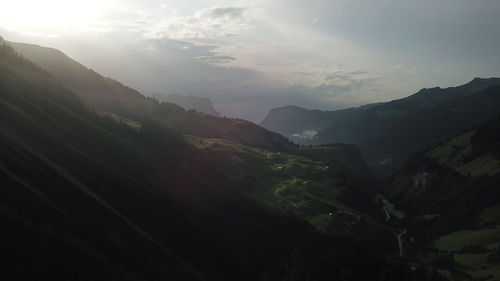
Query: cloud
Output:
(199,52)
(307,134)
(207,23)
(399,69)
(250,56)
(340,82)
(215,58)
(223,12)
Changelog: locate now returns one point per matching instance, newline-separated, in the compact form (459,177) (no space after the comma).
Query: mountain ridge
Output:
(387,133)
(105,94)
(190,102)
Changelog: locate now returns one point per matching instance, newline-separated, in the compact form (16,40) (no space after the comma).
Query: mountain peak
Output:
(484,80)
(428,91)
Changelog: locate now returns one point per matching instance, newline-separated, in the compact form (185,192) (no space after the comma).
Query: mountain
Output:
(388,133)
(69,179)
(292,120)
(110,97)
(96,91)
(450,193)
(295,122)
(88,196)
(203,105)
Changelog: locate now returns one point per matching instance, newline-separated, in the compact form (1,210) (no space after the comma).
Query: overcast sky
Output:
(251,56)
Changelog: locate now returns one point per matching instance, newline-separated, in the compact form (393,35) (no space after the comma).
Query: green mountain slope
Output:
(451,194)
(105,94)
(320,191)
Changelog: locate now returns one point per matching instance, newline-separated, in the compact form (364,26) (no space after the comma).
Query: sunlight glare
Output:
(49,15)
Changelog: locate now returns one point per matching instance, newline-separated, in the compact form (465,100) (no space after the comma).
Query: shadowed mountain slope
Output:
(105,94)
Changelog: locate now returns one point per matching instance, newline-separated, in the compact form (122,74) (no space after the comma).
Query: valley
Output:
(131,188)
(296,184)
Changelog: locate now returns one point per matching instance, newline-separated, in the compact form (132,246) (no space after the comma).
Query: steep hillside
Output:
(60,169)
(388,133)
(113,203)
(97,92)
(452,198)
(203,105)
(464,168)
(105,94)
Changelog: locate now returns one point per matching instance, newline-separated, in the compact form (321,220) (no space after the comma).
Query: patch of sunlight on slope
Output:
(453,152)
(136,125)
(486,165)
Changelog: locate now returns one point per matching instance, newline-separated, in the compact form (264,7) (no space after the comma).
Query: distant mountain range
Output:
(190,102)
(388,133)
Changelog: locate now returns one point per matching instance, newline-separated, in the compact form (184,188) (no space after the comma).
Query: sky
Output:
(251,56)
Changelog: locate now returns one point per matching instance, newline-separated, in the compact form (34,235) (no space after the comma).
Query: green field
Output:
(452,153)
(294,183)
(474,264)
(456,240)
(129,122)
